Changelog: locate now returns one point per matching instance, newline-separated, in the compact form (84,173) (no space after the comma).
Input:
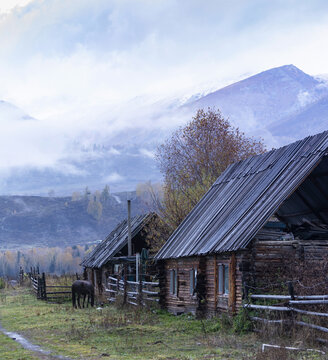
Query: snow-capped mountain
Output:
(10,112)
(279,105)
(265,104)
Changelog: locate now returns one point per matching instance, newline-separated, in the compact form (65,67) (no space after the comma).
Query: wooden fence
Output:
(292,306)
(55,293)
(138,293)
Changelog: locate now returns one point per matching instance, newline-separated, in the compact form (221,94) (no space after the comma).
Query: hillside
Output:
(279,105)
(36,221)
(267,103)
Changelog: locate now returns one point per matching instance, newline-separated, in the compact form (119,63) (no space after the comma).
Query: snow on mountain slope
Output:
(263,101)
(10,112)
(279,105)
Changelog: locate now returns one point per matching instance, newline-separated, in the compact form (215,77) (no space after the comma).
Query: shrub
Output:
(241,322)
(2,283)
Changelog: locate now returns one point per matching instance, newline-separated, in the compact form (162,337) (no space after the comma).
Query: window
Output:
(220,279)
(226,279)
(116,268)
(193,280)
(173,282)
(223,279)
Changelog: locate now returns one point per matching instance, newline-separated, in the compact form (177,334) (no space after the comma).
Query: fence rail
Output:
(137,293)
(290,305)
(40,288)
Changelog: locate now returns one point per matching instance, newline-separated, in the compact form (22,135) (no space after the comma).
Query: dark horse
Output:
(85,288)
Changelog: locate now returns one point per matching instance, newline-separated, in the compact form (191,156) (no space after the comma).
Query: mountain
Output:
(279,105)
(264,104)
(34,221)
(10,113)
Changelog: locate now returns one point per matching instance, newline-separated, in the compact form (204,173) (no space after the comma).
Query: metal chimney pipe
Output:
(129,229)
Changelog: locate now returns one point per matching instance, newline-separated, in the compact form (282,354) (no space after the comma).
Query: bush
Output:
(241,322)
(2,283)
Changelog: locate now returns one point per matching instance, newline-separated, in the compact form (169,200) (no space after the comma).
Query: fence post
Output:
(291,290)
(117,287)
(21,276)
(125,284)
(245,292)
(44,289)
(39,291)
(140,284)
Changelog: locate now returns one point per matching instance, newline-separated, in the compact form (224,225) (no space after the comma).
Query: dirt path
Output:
(41,353)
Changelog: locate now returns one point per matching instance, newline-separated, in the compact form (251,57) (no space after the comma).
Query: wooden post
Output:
(292,297)
(232,283)
(162,284)
(245,292)
(215,283)
(129,229)
(21,276)
(140,285)
(201,288)
(39,288)
(44,289)
(125,284)
(291,290)
(117,286)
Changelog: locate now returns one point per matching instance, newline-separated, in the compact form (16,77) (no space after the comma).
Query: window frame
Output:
(174,282)
(223,279)
(192,281)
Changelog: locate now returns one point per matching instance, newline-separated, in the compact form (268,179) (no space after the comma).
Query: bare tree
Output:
(193,158)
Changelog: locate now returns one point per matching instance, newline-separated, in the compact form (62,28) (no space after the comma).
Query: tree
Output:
(87,193)
(76,196)
(95,209)
(193,158)
(104,195)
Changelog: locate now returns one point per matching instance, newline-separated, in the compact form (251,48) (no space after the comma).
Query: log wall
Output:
(262,264)
(302,261)
(183,301)
(213,302)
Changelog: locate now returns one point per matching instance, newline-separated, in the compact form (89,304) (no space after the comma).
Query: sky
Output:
(83,66)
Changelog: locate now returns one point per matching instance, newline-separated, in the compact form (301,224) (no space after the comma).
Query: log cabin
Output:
(109,256)
(264,221)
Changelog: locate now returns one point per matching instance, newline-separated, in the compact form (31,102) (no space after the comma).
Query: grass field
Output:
(112,333)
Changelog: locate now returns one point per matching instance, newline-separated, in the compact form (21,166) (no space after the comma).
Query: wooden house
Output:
(264,221)
(110,256)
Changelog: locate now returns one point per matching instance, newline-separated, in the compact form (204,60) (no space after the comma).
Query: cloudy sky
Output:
(69,64)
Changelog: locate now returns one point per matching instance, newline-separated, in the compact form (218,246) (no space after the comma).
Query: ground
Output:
(112,333)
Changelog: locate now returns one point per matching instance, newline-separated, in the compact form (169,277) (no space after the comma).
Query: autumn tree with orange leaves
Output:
(193,158)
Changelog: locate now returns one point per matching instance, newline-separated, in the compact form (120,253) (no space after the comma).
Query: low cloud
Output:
(147,153)
(113,178)
(110,72)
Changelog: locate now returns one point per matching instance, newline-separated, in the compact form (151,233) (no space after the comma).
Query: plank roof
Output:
(115,241)
(244,197)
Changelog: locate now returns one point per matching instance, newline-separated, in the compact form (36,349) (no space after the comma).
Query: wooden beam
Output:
(308,302)
(265,307)
(232,283)
(215,282)
(313,313)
